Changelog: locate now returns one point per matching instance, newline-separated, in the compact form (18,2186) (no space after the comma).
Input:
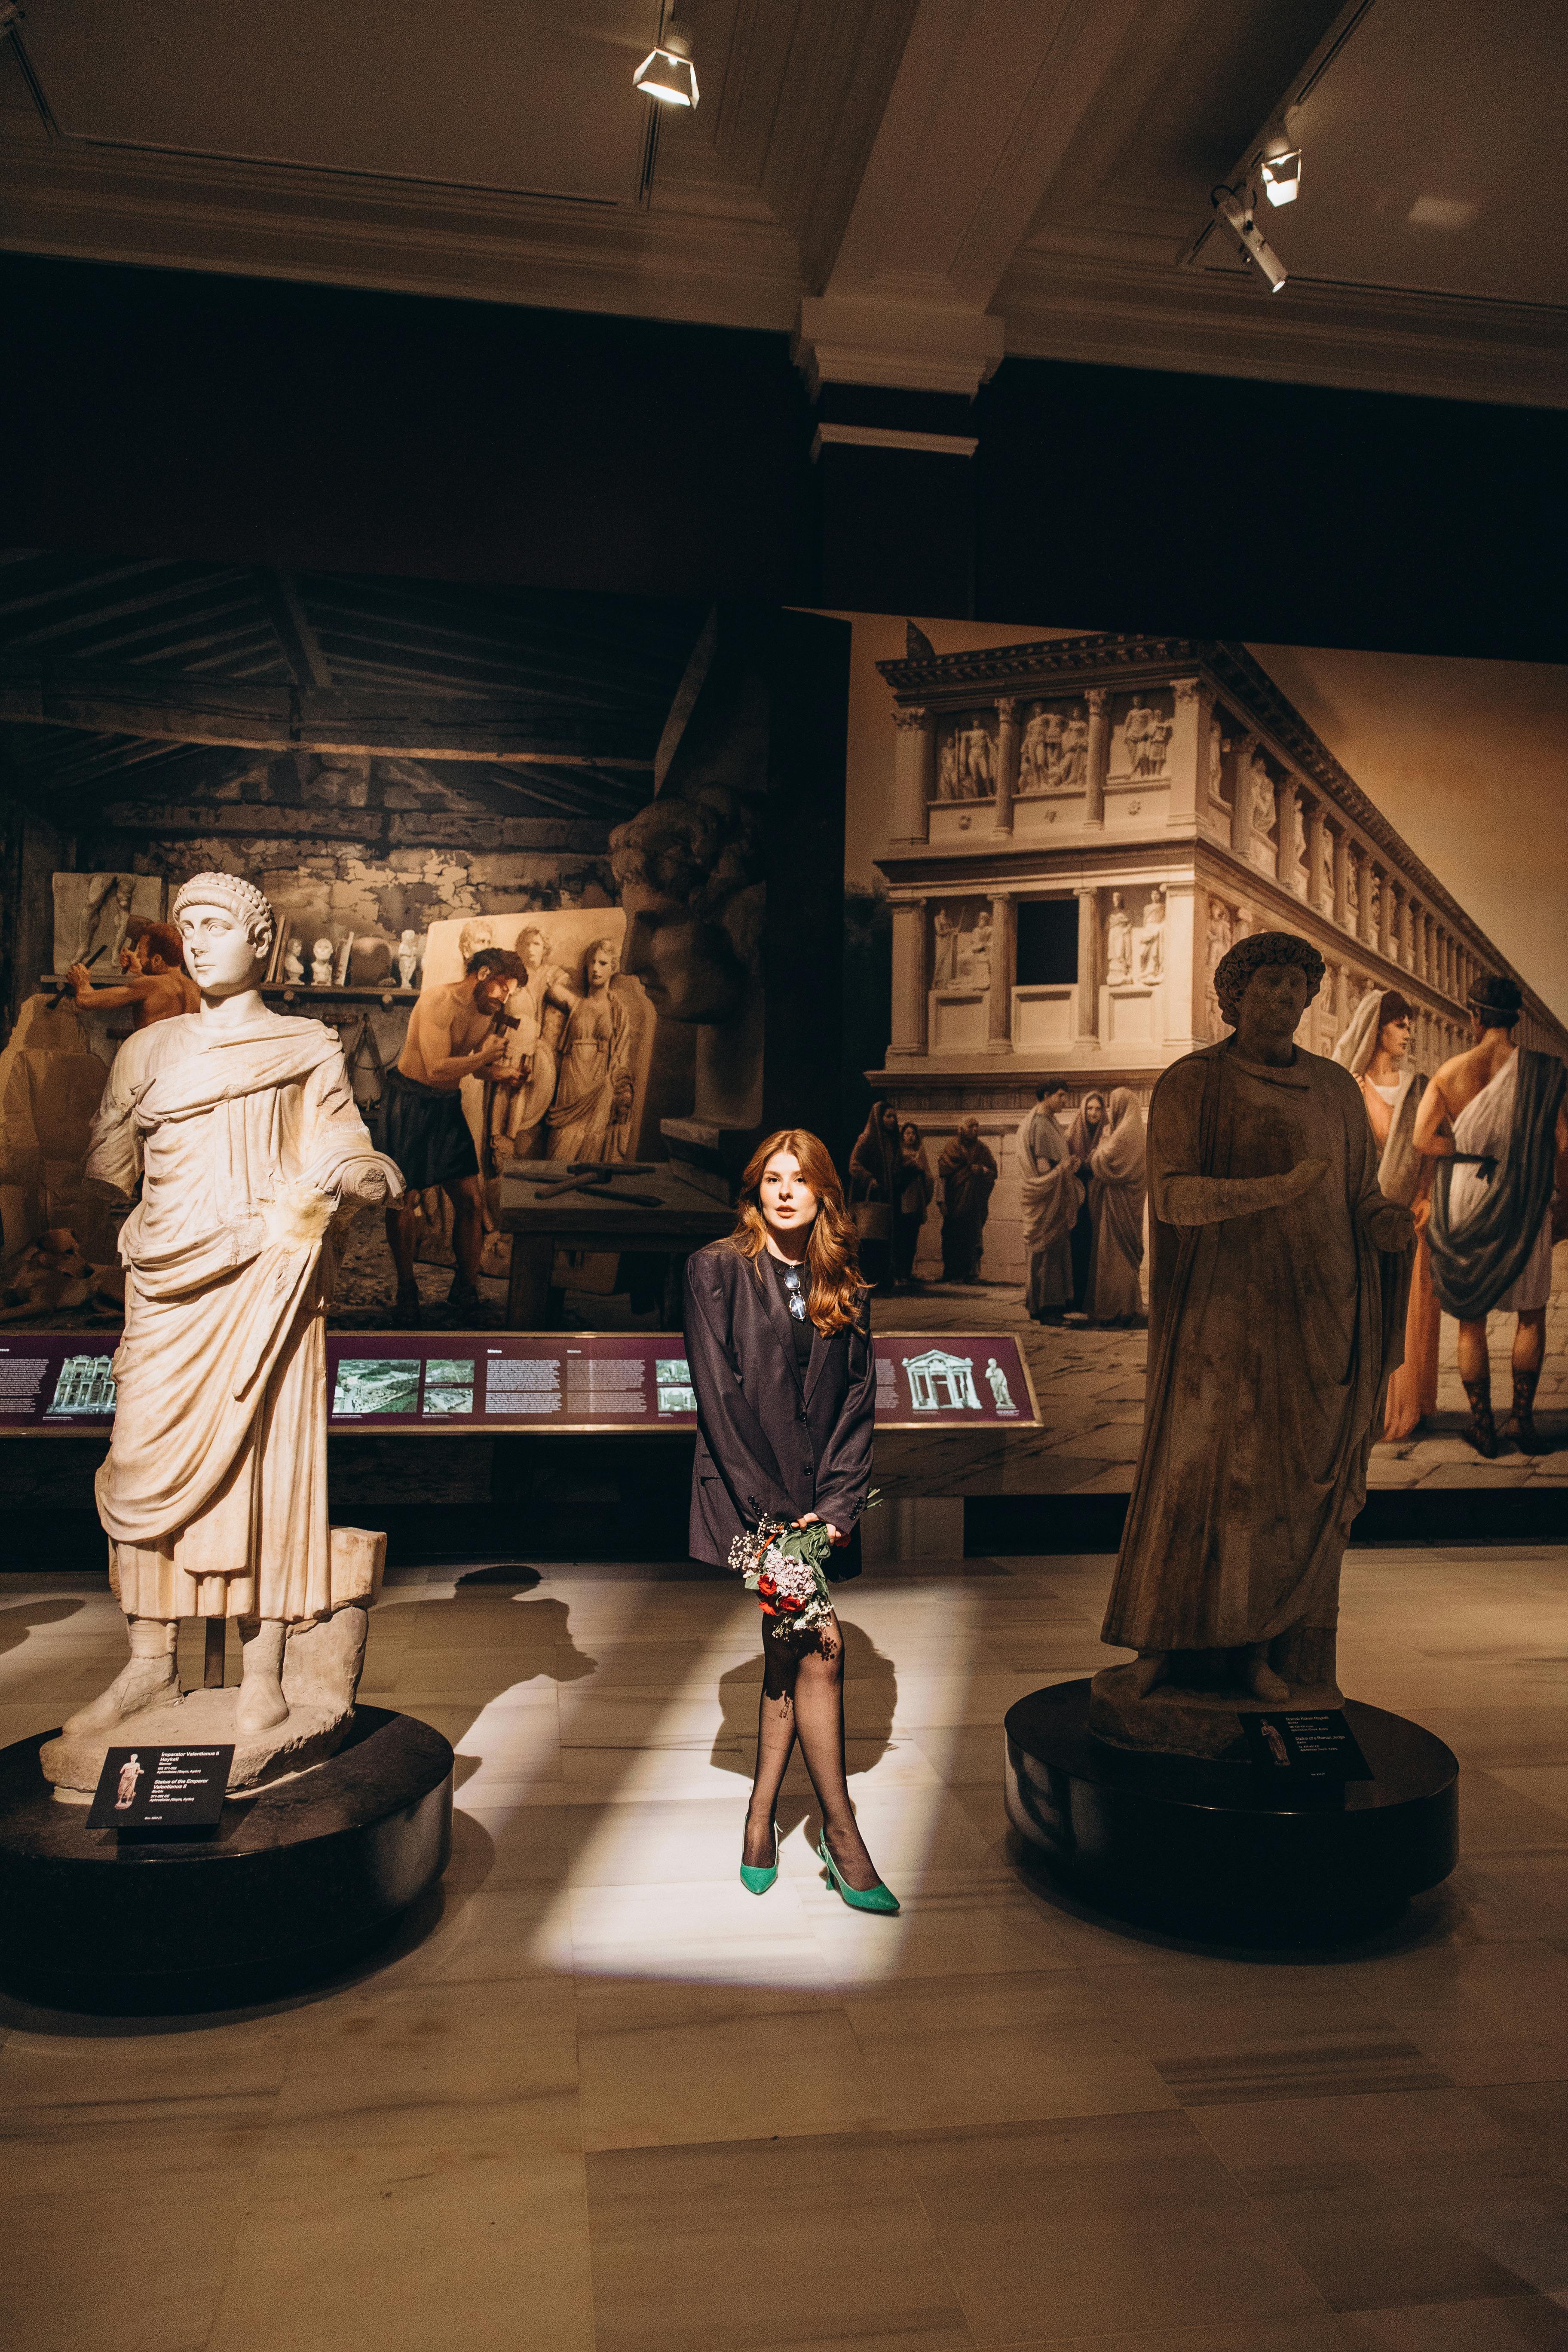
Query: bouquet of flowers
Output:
(783,1566)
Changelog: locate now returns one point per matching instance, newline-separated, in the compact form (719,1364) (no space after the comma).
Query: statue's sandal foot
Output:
(144,1683)
(260,1705)
(1264,1683)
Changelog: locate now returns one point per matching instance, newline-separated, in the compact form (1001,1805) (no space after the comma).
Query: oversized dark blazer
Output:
(768,1445)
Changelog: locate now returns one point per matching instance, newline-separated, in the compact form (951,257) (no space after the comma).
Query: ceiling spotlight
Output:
(1281,175)
(1253,244)
(668,73)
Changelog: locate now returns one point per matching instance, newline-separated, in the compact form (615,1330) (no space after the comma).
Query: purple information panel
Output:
(59,1382)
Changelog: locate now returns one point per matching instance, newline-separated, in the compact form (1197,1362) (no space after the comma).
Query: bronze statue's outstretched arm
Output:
(1215,1200)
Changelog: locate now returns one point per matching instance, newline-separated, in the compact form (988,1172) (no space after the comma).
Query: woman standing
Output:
(1082,1137)
(917,1185)
(1118,1184)
(778,1337)
(875,1172)
(1373,1050)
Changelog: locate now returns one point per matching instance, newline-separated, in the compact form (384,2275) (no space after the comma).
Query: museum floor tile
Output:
(597,2098)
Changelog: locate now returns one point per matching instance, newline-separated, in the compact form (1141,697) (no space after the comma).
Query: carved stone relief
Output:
(961,945)
(1220,939)
(1145,733)
(1117,942)
(966,761)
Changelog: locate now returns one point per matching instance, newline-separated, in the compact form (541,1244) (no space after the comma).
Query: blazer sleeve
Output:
(843,1473)
(730,1429)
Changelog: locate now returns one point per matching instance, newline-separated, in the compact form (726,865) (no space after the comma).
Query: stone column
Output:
(910,978)
(1342,999)
(1187,752)
(1086,1028)
(1242,749)
(1341,907)
(1315,855)
(1364,894)
(1003,972)
(1098,701)
(1407,942)
(1181,968)
(1429,952)
(914,773)
(1006,759)
(1286,869)
(1385,914)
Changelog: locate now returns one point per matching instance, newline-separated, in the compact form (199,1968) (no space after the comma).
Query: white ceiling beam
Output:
(985,104)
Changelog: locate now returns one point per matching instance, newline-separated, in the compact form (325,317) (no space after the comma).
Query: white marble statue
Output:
(294,961)
(321,963)
(407,957)
(1117,942)
(1160,731)
(1034,759)
(1216,760)
(947,771)
(244,1135)
(1151,936)
(979,954)
(944,955)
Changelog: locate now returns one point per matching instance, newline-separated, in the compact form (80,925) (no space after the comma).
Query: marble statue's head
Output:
(225,928)
(1266,951)
(690,875)
(531,946)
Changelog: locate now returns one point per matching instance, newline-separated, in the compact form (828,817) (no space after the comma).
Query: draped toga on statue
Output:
(1271,1332)
(215,1491)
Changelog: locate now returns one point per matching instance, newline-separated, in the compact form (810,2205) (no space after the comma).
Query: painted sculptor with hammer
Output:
(453,1034)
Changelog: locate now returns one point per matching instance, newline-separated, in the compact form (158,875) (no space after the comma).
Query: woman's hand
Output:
(837,1536)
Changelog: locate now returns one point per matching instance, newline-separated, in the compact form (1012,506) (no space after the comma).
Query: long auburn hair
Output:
(836,1280)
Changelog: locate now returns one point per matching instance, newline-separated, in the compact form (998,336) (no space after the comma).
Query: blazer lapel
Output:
(778,1315)
(821,1349)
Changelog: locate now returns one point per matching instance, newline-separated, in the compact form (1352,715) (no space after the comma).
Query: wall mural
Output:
(593,790)
(1116,818)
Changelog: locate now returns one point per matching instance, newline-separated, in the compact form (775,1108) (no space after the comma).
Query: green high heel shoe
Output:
(870,1898)
(755,1881)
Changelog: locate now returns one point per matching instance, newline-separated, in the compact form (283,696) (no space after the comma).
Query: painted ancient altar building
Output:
(1079,830)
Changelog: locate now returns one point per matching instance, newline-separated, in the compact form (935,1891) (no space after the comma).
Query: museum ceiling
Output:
(938,182)
(163,681)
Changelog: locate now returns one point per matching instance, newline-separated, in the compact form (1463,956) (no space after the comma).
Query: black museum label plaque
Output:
(156,1789)
(1307,1745)
(59,1383)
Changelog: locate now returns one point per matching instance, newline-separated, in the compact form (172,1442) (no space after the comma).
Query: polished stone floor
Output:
(601,2099)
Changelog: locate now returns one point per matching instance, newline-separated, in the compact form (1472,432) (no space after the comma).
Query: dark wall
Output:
(156,412)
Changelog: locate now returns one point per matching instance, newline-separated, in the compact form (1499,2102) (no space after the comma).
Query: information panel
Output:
(580,1380)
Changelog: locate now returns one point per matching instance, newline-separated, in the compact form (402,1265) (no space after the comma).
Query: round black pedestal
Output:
(1221,1845)
(293,1883)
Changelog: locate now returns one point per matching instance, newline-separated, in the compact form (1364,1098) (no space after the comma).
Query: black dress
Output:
(784,1418)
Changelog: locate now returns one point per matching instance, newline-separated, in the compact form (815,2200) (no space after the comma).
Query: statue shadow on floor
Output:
(870,1701)
(17,1622)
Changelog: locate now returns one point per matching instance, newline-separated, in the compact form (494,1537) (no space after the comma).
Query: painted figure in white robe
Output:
(1277,1309)
(241,1125)
(1494,1122)
(1051,1196)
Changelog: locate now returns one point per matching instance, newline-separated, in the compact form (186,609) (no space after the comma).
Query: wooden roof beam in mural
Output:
(260,717)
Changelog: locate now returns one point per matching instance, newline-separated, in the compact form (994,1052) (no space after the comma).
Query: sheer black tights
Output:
(802,1698)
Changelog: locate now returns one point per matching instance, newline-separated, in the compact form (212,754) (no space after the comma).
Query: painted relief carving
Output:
(966,763)
(961,946)
(1150,937)
(1118,942)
